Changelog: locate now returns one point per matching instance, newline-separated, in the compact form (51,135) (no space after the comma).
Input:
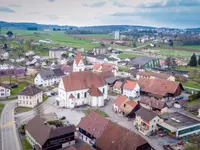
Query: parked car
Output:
(63,118)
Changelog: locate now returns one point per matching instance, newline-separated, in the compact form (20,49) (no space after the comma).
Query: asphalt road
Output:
(9,134)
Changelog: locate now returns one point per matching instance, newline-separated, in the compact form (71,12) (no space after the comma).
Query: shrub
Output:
(22,129)
(194,96)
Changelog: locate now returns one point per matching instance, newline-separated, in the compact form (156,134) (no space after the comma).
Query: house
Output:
(125,106)
(91,127)
(43,135)
(115,137)
(157,106)
(160,88)
(81,88)
(154,75)
(98,68)
(146,121)
(30,97)
(4,90)
(144,62)
(111,80)
(131,89)
(78,64)
(99,50)
(117,88)
(48,77)
(57,52)
(179,125)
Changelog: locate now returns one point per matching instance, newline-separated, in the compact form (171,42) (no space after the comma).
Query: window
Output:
(2,90)
(2,94)
(103,90)
(30,103)
(78,95)
(124,105)
(85,95)
(152,126)
(158,120)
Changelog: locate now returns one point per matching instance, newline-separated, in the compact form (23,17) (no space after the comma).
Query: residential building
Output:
(57,52)
(98,68)
(125,106)
(4,90)
(179,125)
(154,75)
(146,121)
(157,106)
(117,88)
(160,88)
(78,64)
(30,97)
(91,127)
(115,137)
(99,50)
(111,80)
(131,89)
(48,77)
(81,88)
(43,135)
(117,35)
(144,62)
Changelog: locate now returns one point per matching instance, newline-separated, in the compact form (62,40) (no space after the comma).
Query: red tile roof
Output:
(130,85)
(94,91)
(116,137)
(118,84)
(154,74)
(78,57)
(158,87)
(96,66)
(131,103)
(94,124)
(158,104)
(120,100)
(82,80)
(104,67)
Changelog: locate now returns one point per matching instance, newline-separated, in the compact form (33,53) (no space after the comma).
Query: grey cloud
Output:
(6,10)
(14,5)
(120,4)
(51,0)
(98,4)
(33,13)
(52,17)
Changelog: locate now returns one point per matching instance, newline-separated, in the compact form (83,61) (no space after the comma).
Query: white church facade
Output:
(82,88)
(78,64)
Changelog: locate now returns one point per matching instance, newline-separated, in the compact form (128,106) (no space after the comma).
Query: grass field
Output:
(1,107)
(125,69)
(22,109)
(127,55)
(175,53)
(86,111)
(188,68)
(196,47)
(191,84)
(26,145)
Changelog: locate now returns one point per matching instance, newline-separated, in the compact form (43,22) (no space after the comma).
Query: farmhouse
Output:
(146,121)
(57,52)
(131,89)
(4,90)
(154,75)
(157,106)
(48,77)
(160,88)
(30,97)
(179,125)
(81,88)
(43,135)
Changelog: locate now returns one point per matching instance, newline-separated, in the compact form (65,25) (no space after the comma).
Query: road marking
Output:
(7,124)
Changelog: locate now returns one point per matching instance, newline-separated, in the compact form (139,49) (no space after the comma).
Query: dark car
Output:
(63,118)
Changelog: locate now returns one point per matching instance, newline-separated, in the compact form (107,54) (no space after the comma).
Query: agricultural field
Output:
(127,55)
(194,47)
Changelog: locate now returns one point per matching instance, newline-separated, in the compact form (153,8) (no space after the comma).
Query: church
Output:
(81,87)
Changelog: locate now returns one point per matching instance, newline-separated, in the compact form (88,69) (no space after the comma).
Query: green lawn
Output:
(187,68)
(22,109)
(86,111)
(127,55)
(1,107)
(45,98)
(26,145)
(175,53)
(194,102)
(125,69)
(195,47)
(21,86)
(191,84)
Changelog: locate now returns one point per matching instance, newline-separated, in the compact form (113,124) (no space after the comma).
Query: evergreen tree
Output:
(193,61)
(199,61)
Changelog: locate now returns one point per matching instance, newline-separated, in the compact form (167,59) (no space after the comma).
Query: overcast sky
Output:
(159,13)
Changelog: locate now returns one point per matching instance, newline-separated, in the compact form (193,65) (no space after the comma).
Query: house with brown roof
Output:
(117,88)
(157,106)
(125,106)
(44,136)
(82,88)
(160,88)
(131,89)
(78,64)
(91,127)
(98,68)
(146,121)
(4,90)
(30,97)
(154,75)
(116,137)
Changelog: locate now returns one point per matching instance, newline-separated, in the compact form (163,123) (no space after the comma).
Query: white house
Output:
(146,121)
(30,97)
(4,90)
(48,77)
(80,88)
(131,89)
(57,52)
(78,64)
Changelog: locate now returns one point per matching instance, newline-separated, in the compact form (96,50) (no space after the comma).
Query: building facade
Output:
(131,89)
(78,64)
(4,90)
